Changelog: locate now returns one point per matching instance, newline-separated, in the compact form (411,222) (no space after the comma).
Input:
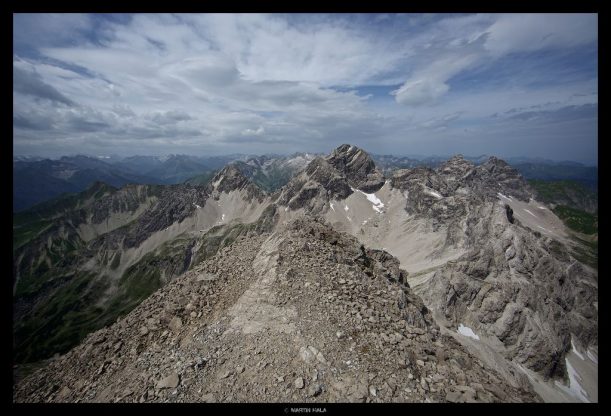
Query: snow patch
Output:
(346,208)
(332,207)
(223,217)
(574,388)
(376,203)
(542,208)
(432,193)
(503,196)
(364,222)
(577,353)
(197,205)
(591,356)
(286,209)
(466,331)
(543,228)
(530,213)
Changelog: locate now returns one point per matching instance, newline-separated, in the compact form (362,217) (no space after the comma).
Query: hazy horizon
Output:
(508,85)
(414,156)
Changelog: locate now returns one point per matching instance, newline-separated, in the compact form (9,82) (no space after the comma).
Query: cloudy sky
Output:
(509,85)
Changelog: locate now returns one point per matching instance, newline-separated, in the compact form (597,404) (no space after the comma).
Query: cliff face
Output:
(359,168)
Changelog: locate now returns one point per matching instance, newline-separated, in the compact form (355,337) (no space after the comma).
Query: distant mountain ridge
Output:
(37,179)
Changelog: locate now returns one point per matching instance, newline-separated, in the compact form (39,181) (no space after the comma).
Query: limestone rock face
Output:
(333,177)
(522,289)
(497,174)
(230,178)
(358,167)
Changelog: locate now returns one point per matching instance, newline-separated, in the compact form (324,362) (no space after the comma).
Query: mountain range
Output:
(38,179)
(342,277)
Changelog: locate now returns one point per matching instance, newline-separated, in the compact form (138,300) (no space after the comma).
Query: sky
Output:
(208,84)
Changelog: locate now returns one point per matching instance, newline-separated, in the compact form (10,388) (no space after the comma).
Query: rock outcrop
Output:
(318,183)
(334,177)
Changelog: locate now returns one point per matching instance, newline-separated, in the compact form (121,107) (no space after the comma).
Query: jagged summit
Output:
(231,178)
(316,184)
(358,166)
(335,176)
(493,160)
(496,174)
(456,169)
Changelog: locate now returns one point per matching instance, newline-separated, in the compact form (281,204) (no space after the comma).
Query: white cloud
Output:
(530,32)
(267,48)
(420,91)
(460,43)
(250,132)
(428,84)
(243,82)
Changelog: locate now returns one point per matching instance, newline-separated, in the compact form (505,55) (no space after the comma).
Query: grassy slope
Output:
(29,224)
(570,197)
(577,220)
(564,192)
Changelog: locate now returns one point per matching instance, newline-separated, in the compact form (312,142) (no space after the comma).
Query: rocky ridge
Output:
(250,324)
(230,179)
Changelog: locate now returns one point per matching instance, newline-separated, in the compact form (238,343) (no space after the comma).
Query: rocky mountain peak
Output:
(494,162)
(316,183)
(358,166)
(457,167)
(231,178)
(496,175)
